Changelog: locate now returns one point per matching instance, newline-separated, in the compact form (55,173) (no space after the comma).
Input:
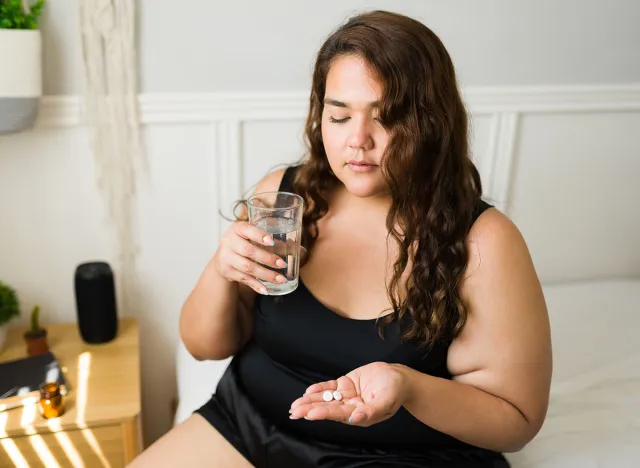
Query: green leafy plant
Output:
(9,305)
(13,15)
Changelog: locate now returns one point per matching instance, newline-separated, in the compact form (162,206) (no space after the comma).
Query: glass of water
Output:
(280,215)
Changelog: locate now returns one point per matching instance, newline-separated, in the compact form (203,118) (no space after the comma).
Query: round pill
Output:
(327,396)
(337,395)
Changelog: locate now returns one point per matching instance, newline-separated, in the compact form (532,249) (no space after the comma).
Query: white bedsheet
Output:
(593,421)
(594,410)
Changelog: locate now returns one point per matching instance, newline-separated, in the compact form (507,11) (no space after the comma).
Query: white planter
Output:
(3,336)
(20,79)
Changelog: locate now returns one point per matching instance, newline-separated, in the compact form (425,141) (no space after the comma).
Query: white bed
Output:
(594,413)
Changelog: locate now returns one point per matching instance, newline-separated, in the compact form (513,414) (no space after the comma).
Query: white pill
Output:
(337,395)
(327,396)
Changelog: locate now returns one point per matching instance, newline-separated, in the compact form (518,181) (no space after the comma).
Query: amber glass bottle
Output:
(51,404)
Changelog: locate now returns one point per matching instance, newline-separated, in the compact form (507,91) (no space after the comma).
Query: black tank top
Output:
(298,341)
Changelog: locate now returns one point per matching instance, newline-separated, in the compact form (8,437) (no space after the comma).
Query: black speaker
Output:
(96,302)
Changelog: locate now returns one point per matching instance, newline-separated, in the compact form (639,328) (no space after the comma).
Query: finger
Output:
(249,280)
(318,397)
(227,270)
(340,413)
(251,268)
(301,411)
(329,410)
(322,386)
(368,414)
(256,253)
(359,416)
(251,232)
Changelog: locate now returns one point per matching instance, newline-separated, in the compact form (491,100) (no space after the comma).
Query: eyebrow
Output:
(336,103)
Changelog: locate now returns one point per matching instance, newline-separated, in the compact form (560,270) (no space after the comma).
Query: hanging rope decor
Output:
(110,110)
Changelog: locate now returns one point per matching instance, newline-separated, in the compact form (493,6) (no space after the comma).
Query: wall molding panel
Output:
(228,112)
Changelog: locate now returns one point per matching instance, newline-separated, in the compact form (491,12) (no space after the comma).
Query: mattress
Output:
(594,409)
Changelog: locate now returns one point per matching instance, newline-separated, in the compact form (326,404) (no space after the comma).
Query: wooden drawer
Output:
(94,447)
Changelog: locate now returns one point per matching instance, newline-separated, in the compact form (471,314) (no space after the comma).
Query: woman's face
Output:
(354,139)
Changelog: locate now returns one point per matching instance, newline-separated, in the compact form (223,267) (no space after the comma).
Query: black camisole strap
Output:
(480,207)
(287,180)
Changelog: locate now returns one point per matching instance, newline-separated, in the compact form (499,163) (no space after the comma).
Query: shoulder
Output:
(500,286)
(500,267)
(271,182)
(493,240)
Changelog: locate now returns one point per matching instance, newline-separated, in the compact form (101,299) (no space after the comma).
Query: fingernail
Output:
(350,419)
(280,263)
(264,291)
(268,240)
(294,417)
(280,279)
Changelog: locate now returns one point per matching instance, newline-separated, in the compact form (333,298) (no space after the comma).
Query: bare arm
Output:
(501,363)
(215,322)
(216,319)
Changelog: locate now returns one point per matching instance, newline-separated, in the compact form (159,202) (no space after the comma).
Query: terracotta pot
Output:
(36,343)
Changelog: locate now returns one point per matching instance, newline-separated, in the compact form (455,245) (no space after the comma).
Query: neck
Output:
(379,203)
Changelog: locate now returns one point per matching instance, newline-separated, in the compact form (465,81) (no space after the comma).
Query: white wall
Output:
(53,216)
(202,45)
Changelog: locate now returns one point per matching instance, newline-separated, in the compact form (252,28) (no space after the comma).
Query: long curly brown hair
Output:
(433,183)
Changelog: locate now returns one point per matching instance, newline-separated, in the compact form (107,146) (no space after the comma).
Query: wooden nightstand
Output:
(101,425)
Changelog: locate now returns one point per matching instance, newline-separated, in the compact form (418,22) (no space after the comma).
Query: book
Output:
(20,379)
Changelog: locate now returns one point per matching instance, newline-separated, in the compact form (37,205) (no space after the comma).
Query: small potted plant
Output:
(21,59)
(36,336)
(9,309)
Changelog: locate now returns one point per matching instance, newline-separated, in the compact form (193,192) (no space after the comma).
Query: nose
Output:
(360,137)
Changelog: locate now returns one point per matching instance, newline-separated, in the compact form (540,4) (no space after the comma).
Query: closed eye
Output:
(339,121)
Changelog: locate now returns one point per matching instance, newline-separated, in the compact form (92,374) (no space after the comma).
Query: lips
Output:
(361,166)
(353,162)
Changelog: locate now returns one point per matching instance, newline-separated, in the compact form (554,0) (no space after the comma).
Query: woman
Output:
(417,301)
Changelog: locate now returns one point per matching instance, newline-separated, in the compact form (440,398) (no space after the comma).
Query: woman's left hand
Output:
(370,394)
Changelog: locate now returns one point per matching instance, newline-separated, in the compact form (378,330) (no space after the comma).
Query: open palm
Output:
(370,394)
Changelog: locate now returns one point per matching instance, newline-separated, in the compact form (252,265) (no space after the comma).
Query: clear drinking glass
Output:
(280,215)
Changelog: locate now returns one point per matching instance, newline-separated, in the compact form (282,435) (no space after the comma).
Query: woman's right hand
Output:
(238,259)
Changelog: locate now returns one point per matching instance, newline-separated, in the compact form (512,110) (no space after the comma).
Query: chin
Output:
(364,187)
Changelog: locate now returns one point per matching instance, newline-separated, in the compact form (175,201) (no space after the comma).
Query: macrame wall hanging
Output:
(110,110)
